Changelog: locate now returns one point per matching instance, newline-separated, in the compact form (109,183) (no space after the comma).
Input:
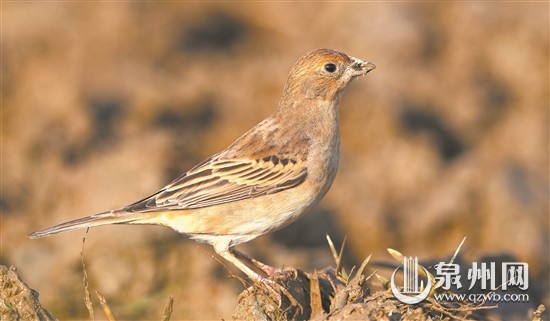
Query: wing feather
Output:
(217,181)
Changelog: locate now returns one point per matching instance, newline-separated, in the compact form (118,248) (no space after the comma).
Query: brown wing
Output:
(217,181)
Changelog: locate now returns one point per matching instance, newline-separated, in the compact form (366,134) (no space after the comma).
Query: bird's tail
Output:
(112,217)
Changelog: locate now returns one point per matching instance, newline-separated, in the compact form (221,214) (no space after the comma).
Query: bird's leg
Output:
(267,269)
(271,284)
(229,256)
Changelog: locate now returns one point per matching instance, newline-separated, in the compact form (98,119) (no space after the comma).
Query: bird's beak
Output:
(359,67)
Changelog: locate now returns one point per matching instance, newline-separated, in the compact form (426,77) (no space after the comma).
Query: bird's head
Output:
(323,74)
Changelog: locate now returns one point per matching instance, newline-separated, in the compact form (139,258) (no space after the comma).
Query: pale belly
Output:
(251,216)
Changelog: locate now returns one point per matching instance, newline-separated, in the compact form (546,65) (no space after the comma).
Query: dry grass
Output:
(291,294)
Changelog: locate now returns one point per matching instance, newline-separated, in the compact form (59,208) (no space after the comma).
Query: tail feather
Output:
(105,218)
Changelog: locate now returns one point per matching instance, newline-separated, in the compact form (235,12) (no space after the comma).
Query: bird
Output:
(265,179)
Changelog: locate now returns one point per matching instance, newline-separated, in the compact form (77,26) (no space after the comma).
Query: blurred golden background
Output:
(104,103)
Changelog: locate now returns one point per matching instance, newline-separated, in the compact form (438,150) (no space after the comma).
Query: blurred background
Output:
(104,103)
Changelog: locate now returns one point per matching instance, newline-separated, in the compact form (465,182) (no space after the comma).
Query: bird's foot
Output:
(271,287)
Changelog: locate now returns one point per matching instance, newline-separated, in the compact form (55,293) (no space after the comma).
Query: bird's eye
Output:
(330,67)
